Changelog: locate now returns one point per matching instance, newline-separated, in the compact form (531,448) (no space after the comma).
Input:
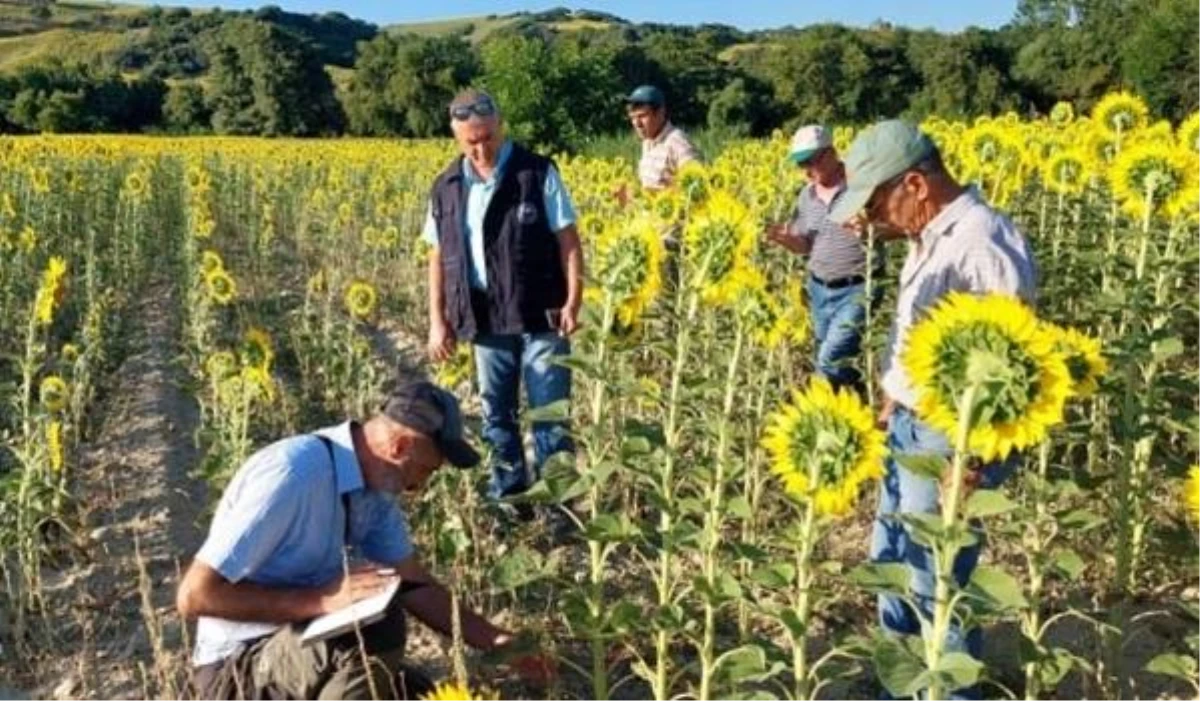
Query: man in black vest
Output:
(506,274)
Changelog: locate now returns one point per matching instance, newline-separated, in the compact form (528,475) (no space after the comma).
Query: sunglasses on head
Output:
(482,107)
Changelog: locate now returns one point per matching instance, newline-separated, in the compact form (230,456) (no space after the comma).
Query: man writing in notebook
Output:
(277,554)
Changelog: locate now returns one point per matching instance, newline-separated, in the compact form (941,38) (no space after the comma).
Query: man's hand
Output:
(885,414)
(779,235)
(362,583)
(521,654)
(568,319)
(441,341)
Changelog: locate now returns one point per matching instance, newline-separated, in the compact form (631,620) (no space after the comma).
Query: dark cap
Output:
(646,95)
(429,409)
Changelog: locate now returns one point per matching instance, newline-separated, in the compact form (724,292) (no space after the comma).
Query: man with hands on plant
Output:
(896,180)
(505,274)
(278,553)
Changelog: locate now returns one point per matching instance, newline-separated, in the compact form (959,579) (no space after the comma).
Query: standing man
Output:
(957,243)
(274,559)
(837,259)
(665,147)
(505,274)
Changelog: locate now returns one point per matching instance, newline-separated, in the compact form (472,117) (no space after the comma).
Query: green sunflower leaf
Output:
(1069,563)
(1173,665)
(882,577)
(987,502)
(929,465)
(996,588)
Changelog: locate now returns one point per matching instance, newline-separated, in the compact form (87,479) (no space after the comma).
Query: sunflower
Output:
(203,226)
(54,393)
(1084,361)
(258,383)
(211,262)
(1120,113)
(135,184)
(50,291)
(667,205)
(220,365)
(1062,114)
(824,446)
(718,241)
(318,282)
(772,320)
(256,348)
(40,180)
(1192,493)
(1150,178)
(628,262)
(360,299)
(221,287)
(996,344)
(692,180)
(1066,172)
(453,691)
(54,445)
(1188,134)
(70,352)
(458,369)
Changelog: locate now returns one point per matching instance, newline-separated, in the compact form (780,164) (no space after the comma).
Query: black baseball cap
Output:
(429,409)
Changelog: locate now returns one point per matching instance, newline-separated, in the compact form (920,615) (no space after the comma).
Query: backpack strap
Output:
(345,497)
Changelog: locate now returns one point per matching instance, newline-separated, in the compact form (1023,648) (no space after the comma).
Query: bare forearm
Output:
(251,602)
(436,291)
(431,604)
(571,257)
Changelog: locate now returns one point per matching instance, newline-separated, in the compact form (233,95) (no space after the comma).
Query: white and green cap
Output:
(807,142)
(878,154)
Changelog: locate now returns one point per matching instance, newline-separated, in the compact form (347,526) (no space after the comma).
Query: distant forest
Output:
(560,75)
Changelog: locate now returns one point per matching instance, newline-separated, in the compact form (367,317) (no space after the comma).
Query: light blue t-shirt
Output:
(281,523)
(560,211)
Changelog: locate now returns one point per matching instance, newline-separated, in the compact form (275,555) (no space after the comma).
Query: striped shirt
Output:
(968,247)
(663,155)
(836,251)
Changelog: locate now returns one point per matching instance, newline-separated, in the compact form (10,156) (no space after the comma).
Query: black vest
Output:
(524,270)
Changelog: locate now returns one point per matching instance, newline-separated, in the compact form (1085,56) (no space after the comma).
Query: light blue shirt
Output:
(281,523)
(560,211)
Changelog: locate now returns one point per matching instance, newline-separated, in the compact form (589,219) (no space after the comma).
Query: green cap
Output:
(880,153)
(646,95)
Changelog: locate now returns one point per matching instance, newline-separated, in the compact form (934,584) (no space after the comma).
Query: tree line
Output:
(268,72)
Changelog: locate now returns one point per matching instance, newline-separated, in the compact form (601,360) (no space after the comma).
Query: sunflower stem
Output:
(946,551)
(803,601)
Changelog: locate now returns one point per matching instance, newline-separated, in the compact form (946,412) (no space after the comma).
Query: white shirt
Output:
(968,247)
(663,155)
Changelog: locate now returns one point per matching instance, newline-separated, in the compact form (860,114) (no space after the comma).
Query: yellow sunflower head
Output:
(1192,493)
(453,691)
(256,348)
(221,288)
(210,262)
(220,365)
(995,344)
(824,446)
(628,265)
(1188,134)
(1085,363)
(458,369)
(1120,113)
(135,184)
(1150,178)
(1062,114)
(773,319)
(54,445)
(1065,172)
(360,299)
(51,291)
(54,394)
(70,353)
(718,241)
(692,181)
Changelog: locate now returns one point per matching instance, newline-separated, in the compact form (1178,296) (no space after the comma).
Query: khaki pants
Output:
(279,667)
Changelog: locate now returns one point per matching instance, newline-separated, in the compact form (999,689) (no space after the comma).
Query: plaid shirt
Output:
(663,155)
(968,247)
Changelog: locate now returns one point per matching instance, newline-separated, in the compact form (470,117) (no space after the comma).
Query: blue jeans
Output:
(903,492)
(838,317)
(501,362)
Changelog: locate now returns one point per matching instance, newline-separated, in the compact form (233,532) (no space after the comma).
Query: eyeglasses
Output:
(482,107)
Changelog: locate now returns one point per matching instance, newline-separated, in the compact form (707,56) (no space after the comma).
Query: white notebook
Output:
(363,612)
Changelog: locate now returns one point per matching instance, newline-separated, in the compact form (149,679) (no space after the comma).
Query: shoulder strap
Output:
(345,497)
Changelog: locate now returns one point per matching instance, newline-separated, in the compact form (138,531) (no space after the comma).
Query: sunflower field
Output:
(724,497)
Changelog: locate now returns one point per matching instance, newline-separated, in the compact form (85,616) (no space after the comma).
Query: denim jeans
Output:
(838,316)
(903,492)
(502,362)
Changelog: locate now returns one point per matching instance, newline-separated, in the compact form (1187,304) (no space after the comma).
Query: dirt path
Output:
(115,629)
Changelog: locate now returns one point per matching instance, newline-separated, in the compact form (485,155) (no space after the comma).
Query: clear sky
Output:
(945,15)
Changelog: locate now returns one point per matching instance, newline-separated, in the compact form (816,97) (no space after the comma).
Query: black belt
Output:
(840,282)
